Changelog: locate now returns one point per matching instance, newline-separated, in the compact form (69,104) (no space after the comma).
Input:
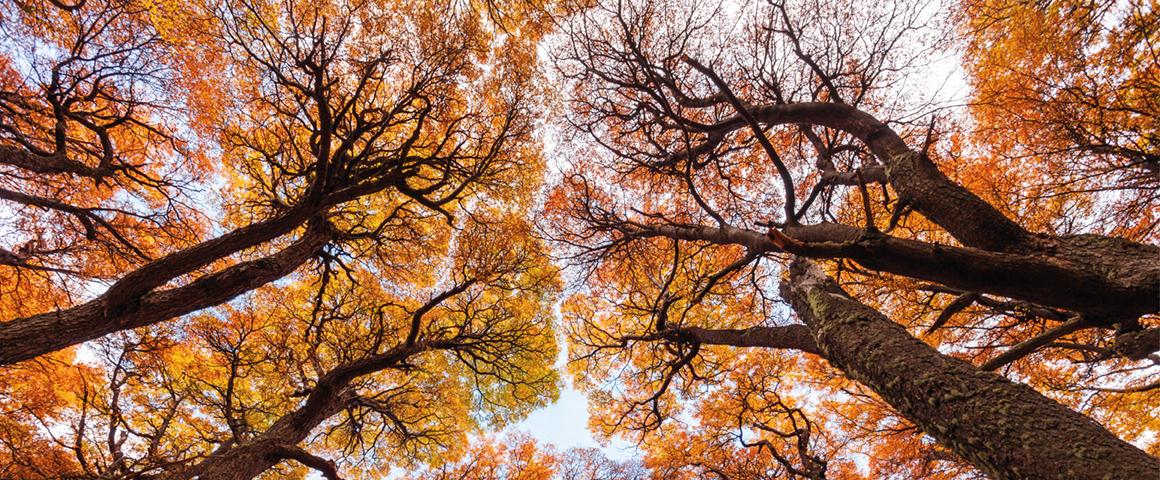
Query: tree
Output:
(94,167)
(591,464)
(334,137)
(365,284)
(292,239)
(1064,88)
(789,138)
(373,371)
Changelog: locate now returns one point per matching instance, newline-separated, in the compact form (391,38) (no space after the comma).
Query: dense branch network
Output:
(729,138)
(263,237)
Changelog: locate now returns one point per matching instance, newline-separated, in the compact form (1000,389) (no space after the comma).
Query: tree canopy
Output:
(814,239)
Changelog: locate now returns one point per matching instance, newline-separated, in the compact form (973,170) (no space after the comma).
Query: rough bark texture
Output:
(1095,264)
(159,272)
(794,337)
(1041,279)
(28,337)
(1006,429)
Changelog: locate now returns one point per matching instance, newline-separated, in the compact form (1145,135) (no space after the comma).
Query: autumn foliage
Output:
(810,239)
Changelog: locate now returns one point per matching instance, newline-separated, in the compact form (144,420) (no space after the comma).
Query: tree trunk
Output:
(1041,279)
(1006,429)
(29,337)
(1121,281)
(330,395)
(246,461)
(1100,263)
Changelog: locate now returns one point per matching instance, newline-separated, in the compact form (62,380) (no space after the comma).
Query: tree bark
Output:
(1005,429)
(1098,263)
(250,459)
(29,337)
(161,271)
(330,395)
(133,301)
(968,218)
(57,163)
(792,337)
(1041,279)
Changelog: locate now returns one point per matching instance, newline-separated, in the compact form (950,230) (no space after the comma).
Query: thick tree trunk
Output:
(29,337)
(1099,263)
(133,301)
(1041,279)
(161,271)
(1093,263)
(248,460)
(1068,278)
(1005,429)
